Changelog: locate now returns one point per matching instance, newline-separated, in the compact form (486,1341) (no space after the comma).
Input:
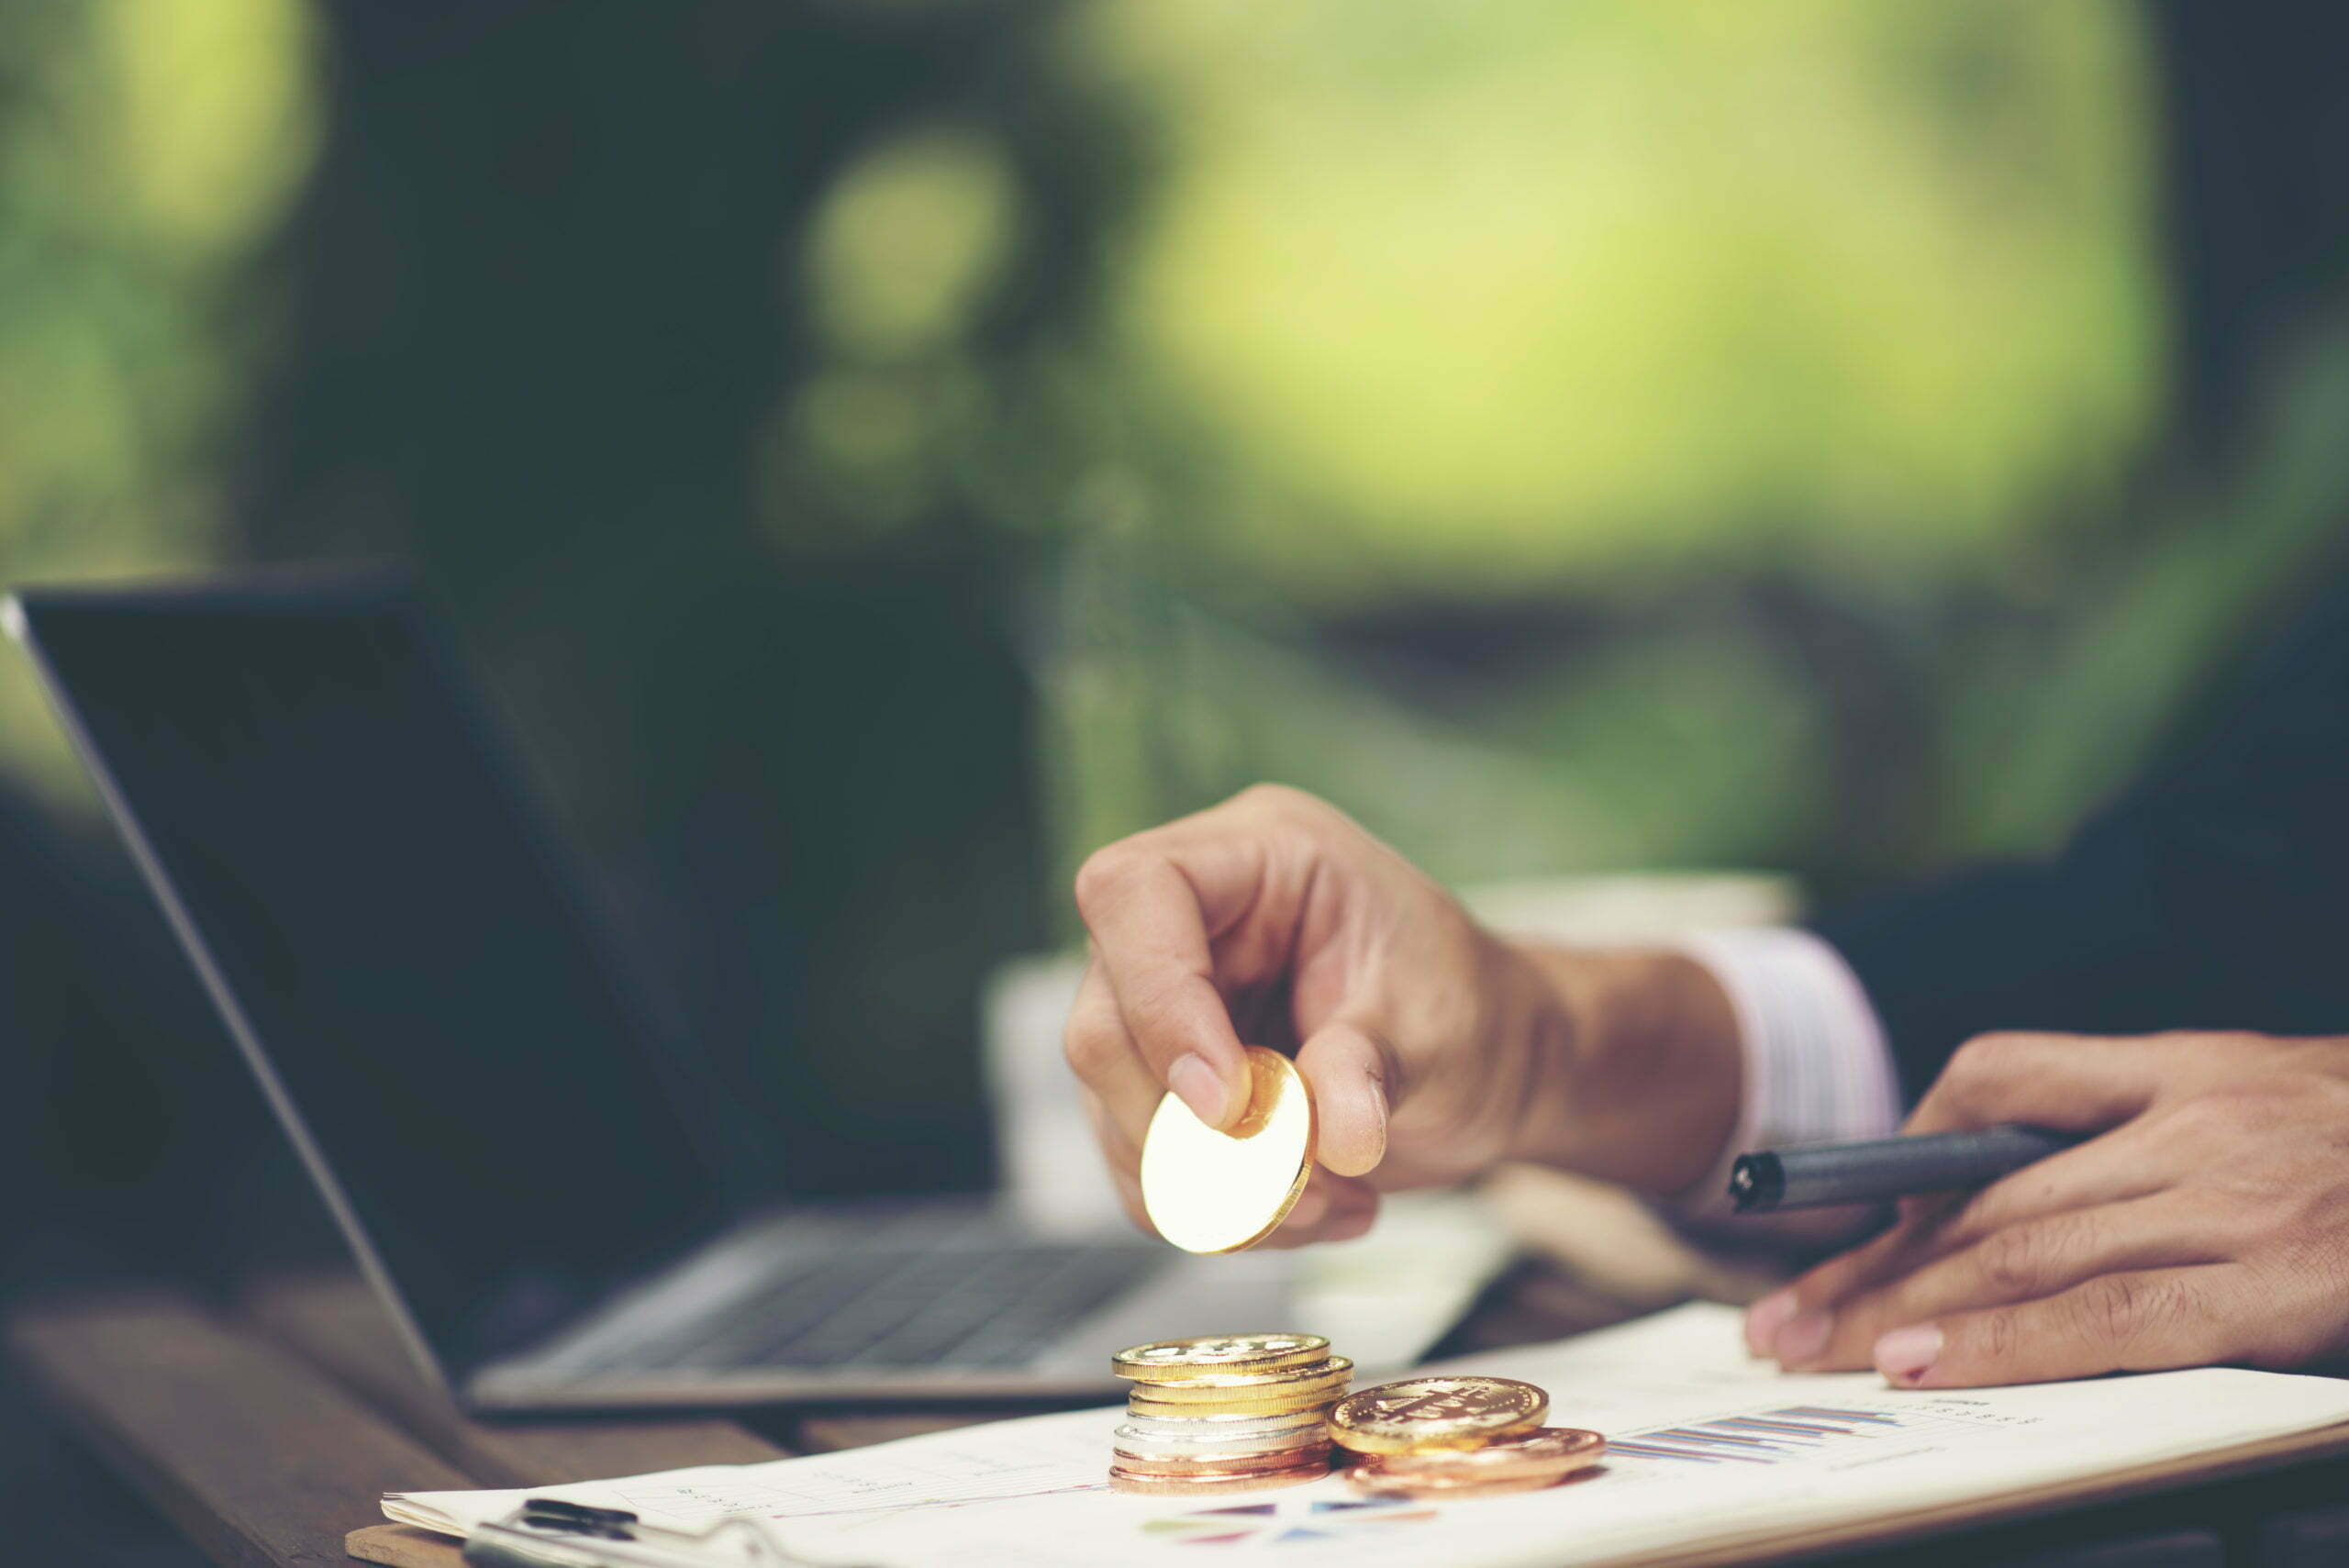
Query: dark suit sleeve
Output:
(2213,894)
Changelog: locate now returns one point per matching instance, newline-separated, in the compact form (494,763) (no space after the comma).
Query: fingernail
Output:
(1804,1336)
(1196,1084)
(1378,1105)
(1764,1318)
(1905,1355)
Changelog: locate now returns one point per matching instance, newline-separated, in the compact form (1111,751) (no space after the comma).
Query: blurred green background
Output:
(881,452)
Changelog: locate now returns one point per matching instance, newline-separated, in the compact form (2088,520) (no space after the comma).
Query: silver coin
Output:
(1212,1430)
(1223,1446)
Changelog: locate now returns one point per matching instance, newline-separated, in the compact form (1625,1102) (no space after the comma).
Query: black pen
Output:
(1830,1174)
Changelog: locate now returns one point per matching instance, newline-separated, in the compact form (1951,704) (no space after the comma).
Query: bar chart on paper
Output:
(1804,1434)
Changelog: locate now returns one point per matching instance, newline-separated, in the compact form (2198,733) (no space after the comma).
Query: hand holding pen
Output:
(2196,1220)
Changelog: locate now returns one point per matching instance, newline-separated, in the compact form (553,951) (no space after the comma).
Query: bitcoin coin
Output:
(1244,1464)
(1209,1485)
(1225,1390)
(1178,1361)
(1551,1450)
(1131,1439)
(1278,1404)
(1437,1412)
(1189,1430)
(1218,1464)
(1226,1413)
(1209,1191)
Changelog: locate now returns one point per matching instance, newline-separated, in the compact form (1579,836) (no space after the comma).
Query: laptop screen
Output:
(319,797)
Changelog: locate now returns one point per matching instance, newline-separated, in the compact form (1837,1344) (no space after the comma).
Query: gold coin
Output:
(1280,1404)
(1208,1191)
(1313,1402)
(1437,1412)
(1177,1361)
(1122,1480)
(1552,1451)
(1231,1416)
(1325,1373)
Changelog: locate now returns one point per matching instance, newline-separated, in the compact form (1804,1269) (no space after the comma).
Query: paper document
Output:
(1705,1445)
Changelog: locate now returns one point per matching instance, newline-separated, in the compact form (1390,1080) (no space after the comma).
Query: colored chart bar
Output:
(1767,1437)
(1781,1428)
(1649,1451)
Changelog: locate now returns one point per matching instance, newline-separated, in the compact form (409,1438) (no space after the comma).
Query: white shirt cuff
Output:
(1817,1067)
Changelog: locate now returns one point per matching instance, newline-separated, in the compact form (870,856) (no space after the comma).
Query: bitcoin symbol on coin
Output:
(1218,1354)
(1425,1407)
(1437,1412)
(1240,1349)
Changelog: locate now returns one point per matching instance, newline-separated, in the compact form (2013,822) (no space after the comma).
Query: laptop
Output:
(387,925)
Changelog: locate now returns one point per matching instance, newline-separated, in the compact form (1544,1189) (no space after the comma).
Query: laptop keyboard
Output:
(894,1307)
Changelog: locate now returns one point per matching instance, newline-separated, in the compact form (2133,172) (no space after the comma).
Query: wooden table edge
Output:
(155,1342)
(403,1546)
(334,1323)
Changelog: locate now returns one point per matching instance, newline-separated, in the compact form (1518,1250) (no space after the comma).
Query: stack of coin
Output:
(1457,1437)
(1229,1413)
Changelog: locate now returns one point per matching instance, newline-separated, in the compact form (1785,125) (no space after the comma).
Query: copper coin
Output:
(1393,1486)
(1209,1486)
(1283,1405)
(1553,1450)
(1437,1412)
(1177,1361)
(1223,1388)
(1245,1464)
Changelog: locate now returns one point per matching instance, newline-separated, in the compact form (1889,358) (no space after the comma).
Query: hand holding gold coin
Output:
(1432,1046)
(1276,922)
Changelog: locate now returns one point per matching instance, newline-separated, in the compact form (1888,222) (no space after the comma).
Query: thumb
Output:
(1348,1068)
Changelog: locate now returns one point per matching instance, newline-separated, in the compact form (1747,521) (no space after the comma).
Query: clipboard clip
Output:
(546,1533)
(558,1518)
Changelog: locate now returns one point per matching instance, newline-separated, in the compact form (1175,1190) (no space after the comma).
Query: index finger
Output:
(2144,1320)
(1150,929)
(2071,1081)
(1101,1053)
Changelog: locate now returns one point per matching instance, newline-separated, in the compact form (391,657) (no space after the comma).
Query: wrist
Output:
(1637,1072)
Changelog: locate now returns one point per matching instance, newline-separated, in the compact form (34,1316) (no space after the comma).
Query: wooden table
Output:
(267,1432)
